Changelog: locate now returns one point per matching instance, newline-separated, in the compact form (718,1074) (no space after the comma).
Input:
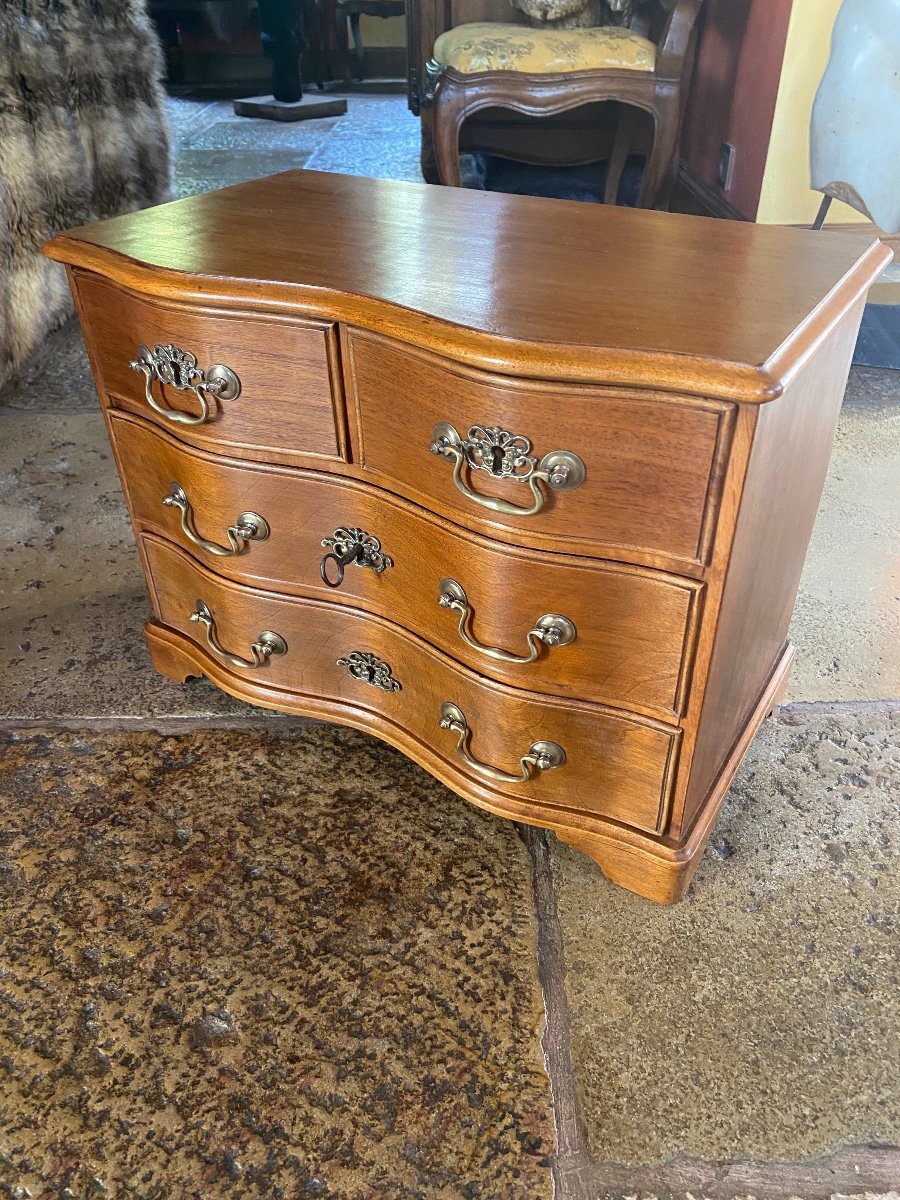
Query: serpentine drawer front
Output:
(632,630)
(236,382)
(647,488)
(522,487)
(614,766)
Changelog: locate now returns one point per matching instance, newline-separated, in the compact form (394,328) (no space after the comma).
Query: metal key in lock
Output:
(349,544)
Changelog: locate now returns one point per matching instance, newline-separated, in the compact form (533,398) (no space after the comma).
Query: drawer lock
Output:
(365,667)
(351,545)
(178,369)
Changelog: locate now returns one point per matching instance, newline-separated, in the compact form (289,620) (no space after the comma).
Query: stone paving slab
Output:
(259,965)
(760,1018)
(378,137)
(846,624)
(72,596)
(208,170)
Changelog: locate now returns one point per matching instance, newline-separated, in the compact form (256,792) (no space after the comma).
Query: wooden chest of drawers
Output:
(522,487)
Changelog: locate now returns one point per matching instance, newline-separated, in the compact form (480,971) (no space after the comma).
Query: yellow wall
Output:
(383,31)
(787,198)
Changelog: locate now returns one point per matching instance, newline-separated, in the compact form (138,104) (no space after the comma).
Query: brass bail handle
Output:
(541,755)
(551,629)
(267,644)
(249,526)
(505,455)
(171,365)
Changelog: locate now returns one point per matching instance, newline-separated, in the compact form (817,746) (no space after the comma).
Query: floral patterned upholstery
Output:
(491,46)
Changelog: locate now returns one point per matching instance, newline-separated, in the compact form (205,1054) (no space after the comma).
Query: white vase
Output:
(855,134)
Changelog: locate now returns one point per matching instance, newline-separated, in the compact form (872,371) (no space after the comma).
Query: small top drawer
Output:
(256,385)
(646,468)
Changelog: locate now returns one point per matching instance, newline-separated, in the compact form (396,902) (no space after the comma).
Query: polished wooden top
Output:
(520,285)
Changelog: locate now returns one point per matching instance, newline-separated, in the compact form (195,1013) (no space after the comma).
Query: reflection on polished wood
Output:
(535,288)
(694,368)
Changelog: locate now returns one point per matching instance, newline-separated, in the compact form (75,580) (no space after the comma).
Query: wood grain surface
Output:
(652,465)
(635,628)
(286,391)
(616,767)
(528,286)
(781,491)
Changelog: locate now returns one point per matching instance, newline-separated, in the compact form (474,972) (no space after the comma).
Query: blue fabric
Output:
(562,183)
(879,337)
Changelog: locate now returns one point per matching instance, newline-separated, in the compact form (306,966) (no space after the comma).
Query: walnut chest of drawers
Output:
(523,487)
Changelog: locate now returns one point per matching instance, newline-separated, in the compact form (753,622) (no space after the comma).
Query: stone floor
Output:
(219,980)
(175,863)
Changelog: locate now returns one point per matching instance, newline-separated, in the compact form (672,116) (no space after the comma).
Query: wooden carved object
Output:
(522,487)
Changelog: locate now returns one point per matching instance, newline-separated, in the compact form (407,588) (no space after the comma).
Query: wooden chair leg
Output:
(626,128)
(358,47)
(659,171)
(449,114)
(427,161)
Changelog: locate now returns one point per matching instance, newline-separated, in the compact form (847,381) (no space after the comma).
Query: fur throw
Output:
(575,14)
(82,136)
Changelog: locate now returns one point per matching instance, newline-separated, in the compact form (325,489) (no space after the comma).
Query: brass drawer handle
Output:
(505,455)
(178,368)
(349,544)
(249,527)
(549,630)
(265,646)
(541,756)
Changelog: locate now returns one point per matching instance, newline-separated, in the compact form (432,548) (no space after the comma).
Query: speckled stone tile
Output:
(247,133)
(208,170)
(188,117)
(378,137)
(58,379)
(846,624)
(72,596)
(262,965)
(759,1018)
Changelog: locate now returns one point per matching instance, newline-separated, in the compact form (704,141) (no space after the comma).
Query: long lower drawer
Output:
(627,633)
(615,766)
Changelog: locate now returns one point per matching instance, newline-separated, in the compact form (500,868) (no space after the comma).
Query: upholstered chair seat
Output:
(487,46)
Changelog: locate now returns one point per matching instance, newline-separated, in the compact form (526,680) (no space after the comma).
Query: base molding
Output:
(657,868)
(664,870)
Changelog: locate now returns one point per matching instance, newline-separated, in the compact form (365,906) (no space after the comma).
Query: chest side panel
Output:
(781,494)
